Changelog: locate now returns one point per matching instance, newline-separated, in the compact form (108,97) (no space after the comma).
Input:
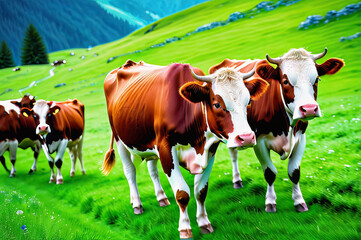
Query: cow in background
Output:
(280,116)
(60,125)
(17,131)
(153,109)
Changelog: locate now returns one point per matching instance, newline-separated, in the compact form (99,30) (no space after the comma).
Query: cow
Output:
(60,125)
(58,62)
(280,116)
(153,109)
(17,131)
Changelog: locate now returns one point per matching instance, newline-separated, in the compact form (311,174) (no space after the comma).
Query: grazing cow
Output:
(16,69)
(280,116)
(153,109)
(17,131)
(60,125)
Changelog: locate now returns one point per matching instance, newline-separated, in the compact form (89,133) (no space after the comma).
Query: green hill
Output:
(97,207)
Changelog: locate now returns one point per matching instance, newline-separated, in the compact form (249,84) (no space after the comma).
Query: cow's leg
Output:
(73,153)
(200,193)
(270,172)
(4,145)
(159,192)
(59,160)
(130,174)
(36,150)
(51,162)
(80,155)
(237,181)
(13,146)
(170,164)
(294,174)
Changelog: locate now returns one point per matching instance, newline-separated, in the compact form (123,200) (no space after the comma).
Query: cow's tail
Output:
(2,160)
(109,159)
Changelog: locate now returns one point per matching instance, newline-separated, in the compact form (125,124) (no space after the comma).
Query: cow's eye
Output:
(286,82)
(250,100)
(34,116)
(217,105)
(49,114)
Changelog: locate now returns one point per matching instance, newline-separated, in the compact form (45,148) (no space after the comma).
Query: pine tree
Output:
(33,51)
(6,57)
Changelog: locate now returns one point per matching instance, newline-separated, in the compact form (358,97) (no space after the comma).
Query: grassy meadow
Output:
(98,207)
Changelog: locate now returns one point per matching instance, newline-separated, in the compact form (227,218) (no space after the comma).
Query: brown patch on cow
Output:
(203,194)
(300,126)
(288,89)
(256,87)
(269,176)
(295,177)
(315,87)
(182,199)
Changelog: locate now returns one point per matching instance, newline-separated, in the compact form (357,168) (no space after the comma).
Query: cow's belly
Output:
(27,142)
(279,144)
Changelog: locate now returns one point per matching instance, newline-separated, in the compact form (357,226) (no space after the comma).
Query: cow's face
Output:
(43,113)
(225,101)
(298,75)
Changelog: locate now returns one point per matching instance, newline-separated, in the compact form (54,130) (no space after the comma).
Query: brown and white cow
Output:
(17,131)
(280,116)
(61,126)
(153,109)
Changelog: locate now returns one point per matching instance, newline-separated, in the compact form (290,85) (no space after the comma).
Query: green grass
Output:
(97,207)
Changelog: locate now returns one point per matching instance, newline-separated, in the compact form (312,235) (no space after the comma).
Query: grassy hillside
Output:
(97,207)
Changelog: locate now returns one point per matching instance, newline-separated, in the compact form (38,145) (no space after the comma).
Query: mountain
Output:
(77,23)
(141,13)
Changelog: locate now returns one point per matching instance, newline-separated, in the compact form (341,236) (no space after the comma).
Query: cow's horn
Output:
(208,78)
(248,74)
(320,55)
(274,60)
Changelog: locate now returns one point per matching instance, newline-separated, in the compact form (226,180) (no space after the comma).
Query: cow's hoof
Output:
(164,202)
(84,173)
(185,234)
(206,229)
(238,184)
(12,175)
(52,180)
(59,181)
(270,207)
(301,207)
(32,171)
(138,210)
(72,174)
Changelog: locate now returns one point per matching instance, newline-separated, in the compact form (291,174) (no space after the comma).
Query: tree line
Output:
(33,50)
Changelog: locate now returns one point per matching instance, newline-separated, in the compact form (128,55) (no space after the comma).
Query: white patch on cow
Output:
(301,71)
(10,106)
(230,86)
(4,145)
(41,108)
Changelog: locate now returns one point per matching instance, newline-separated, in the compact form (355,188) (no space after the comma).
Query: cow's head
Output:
(225,95)
(27,101)
(43,113)
(299,74)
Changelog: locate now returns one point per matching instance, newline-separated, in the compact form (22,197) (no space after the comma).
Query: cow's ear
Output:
(267,72)
(54,110)
(194,92)
(16,103)
(26,112)
(331,66)
(256,87)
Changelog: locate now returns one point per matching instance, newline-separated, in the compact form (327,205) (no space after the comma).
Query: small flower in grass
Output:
(23,227)
(19,212)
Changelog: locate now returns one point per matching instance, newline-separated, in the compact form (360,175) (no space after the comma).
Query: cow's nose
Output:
(44,128)
(246,140)
(309,110)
